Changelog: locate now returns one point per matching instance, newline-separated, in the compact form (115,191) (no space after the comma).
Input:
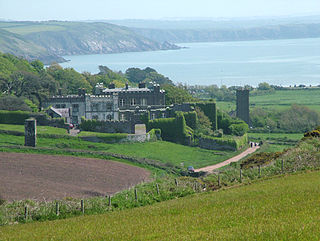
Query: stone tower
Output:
(243,105)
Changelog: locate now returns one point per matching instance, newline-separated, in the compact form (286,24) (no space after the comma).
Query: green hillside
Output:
(54,38)
(284,208)
(19,46)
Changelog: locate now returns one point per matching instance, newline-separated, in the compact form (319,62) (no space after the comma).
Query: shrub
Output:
(239,129)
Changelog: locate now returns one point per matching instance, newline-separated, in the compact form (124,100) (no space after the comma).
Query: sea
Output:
(280,62)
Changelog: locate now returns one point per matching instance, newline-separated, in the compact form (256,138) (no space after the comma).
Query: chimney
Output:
(142,85)
(156,88)
(127,86)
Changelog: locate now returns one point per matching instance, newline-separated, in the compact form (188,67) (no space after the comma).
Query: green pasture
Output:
(274,142)
(280,100)
(166,152)
(40,129)
(282,208)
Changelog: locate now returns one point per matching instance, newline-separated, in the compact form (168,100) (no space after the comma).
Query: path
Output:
(227,162)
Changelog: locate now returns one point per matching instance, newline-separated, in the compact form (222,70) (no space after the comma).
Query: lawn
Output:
(163,151)
(40,129)
(282,208)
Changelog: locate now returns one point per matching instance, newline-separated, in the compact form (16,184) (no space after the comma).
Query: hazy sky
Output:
(151,9)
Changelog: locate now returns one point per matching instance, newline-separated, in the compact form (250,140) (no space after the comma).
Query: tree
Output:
(176,95)
(13,103)
(136,75)
(69,79)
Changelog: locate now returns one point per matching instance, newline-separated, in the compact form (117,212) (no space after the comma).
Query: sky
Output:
(38,10)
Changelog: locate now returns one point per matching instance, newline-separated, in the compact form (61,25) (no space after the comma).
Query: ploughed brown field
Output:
(46,177)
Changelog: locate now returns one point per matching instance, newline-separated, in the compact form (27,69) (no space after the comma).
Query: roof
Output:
(63,112)
(127,90)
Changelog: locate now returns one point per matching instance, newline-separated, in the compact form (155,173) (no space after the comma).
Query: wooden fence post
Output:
(82,206)
(158,191)
(240,175)
(109,201)
(136,194)
(57,209)
(25,213)
(259,170)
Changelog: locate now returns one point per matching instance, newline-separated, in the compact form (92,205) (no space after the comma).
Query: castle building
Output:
(108,104)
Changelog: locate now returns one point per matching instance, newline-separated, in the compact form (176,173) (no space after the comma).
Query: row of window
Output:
(133,102)
(108,117)
(101,106)
(153,116)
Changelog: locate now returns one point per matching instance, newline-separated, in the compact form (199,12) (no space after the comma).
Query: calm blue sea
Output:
(281,62)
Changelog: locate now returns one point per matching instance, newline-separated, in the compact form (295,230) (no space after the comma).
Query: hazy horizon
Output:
(72,10)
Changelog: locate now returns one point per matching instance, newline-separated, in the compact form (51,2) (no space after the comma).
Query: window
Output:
(163,115)
(153,116)
(122,117)
(109,117)
(143,102)
(108,106)
(58,106)
(122,102)
(63,106)
(75,107)
(133,102)
(94,107)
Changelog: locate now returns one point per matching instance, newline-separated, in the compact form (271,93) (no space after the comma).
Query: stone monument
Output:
(30,132)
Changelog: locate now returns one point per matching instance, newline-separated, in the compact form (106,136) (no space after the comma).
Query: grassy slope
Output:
(283,208)
(166,152)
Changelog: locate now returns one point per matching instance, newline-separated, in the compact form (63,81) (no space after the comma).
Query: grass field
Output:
(165,152)
(283,208)
(274,142)
(280,100)
(40,129)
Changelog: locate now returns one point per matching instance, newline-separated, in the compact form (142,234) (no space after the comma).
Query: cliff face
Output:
(48,41)
(94,38)
(219,35)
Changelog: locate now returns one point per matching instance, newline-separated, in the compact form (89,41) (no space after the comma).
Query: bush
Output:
(239,129)
(19,117)
(13,103)
(155,134)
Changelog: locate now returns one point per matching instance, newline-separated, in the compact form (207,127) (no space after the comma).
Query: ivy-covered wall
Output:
(172,129)
(210,110)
